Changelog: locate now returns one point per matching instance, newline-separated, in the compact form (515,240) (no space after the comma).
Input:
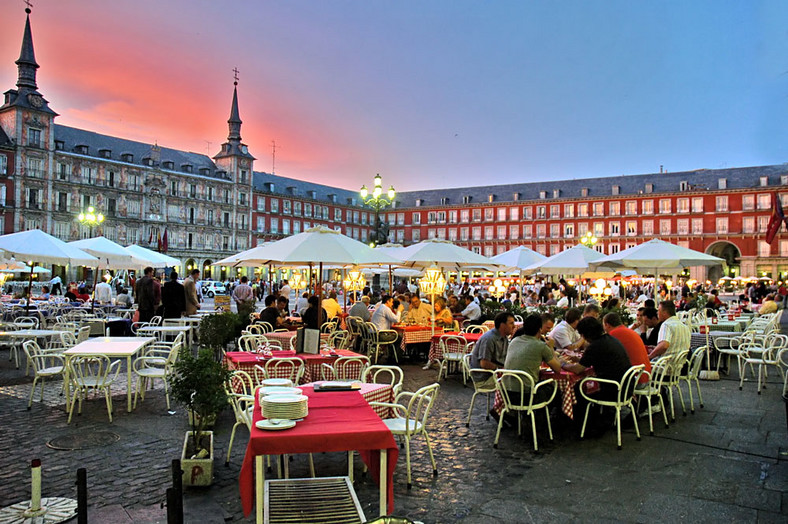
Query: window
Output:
(682,226)
(722,183)
(664,227)
(416,235)
(554,249)
(464,234)
(541,231)
(584,192)
(748,202)
(502,232)
(210,217)
(286,209)
(764,249)
(226,222)
(477,215)
(502,214)
(337,212)
(465,216)
(261,203)
(748,225)
(192,214)
(697,205)
(274,226)
(453,234)
(528,213)
(62,230)
(648,227)
(784,248)
(401,236)
(682,205)
(648,207)
(476,233)
(616,190)
(555,230)
(582,229)
(649,188)
(442,233)
(33,137)
(452,216)
(242,199)
(665,206)
(763,224)
(274,205)
(416,218)
(555,211)
(764,201)
(697,226)
(62,202)
(514,214)
(431,218)
(226,194)
(528,231)
(210,195)
(632,228)
(582,210)
(722,225)
(489,214)
(35,168)
(541,212)
(614,248)
(112,207)
(632,207)
(615,209)
(285,226)
(722,203)
(133,208)
(599,209)
(431,233)
(488,251)
(63,169)
(441,217)
(33,198)
(514,232)
(615,229)
(569,231)
(599,229)
(488,232)
(296,209)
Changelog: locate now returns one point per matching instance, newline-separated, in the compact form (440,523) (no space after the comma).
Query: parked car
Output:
(211,288)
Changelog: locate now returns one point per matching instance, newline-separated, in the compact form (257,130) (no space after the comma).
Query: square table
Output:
(247,361)
(436,353)
(192,323)
(112,347)
(164,330)
(337,421)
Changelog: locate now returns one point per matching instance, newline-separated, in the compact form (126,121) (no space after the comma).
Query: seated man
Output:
(472,311)
(384,317)
(631,341)
(651,325)
(490,350)
(565,335)
(419,313)
(270,314)
(361,309)
(674,336)
(526,353)
(331,305)
(591,310)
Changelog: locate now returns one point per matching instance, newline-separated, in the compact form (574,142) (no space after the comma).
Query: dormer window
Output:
(722,183)
(556,193)
(467,199)
(59,145)
(127,157)
(764,181)
(167,164)
(683,185)
(490,198)
(784,180)
(291,190)
(187,168)
(542,195)
(105,153)
(82,149)
(444,201)
(516,197)
(616,190)
(331,196)
(649,188)
(205,171)
(147,161)
(269,186)
(584,192)
(419,202)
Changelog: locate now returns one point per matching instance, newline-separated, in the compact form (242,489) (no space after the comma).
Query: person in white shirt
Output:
(285,290)
(472,310)
(302,303)
(103,293)
(564,335)
(563,302)
(384,317)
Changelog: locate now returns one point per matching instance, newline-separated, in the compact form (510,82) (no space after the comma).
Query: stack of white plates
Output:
(285,382)
(290,407)
(277,390)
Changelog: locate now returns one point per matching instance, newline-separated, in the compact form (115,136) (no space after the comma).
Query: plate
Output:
(274,424)
(277,382)
(278,390)
(286,399)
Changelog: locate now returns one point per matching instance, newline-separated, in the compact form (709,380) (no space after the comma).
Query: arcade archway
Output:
(731,254)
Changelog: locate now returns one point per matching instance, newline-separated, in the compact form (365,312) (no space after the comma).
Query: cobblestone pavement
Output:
(727,462)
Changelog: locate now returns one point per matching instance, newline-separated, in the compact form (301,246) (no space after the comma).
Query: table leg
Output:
(66,382)
(384,475)
(259,479)
(350,465)
(128,383)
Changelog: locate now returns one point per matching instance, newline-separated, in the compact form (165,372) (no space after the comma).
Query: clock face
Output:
(35,100)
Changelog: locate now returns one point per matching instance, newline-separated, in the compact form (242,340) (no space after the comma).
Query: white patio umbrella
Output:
(24,268)
(11,264)
(518,258)
(445,255)
(111,255)
(38,247)
(572,261)
(154,258)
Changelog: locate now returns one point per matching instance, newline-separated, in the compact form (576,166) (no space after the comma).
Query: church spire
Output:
(233,147)
(27,59)
(235,117)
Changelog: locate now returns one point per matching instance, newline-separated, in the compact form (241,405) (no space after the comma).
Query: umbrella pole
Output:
(29,289)
(344,291)
(93,297)
(309,286)
(319,282)
(391,281)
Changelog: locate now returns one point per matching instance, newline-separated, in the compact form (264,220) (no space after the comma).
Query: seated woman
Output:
(310,316)
(443,317)
(45,293)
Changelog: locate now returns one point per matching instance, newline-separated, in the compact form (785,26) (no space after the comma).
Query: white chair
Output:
(45,364)
(156,364)
(345,368)
(250,342)
(240,391)
(262,327)
(380,374)
(289,368)
(653,388)
(520,383)
(624,395)
(339,339)
(411,420)
(454,348)
(96,373)
(692,375)
(378,338)
(83,334)
(474,328)
(485,387)
(769,356)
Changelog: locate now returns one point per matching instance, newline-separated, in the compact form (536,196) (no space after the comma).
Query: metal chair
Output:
(289,368)
(692,374)
(379,338)
(345,368)
(240,391)
(484,387)
(624,395)
(412,419)
(96,373)
(156,364)
(525,387)
(454,348)
(393,376)
(654,388)
(45,364)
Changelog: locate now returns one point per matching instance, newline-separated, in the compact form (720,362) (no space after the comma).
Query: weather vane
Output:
(235,71)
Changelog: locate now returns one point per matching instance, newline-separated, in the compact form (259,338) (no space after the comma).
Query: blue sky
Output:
(430,93)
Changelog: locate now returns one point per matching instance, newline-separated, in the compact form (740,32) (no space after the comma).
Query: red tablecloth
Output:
(285,336)
(337,421)
(566,387)
(435,348)
(246,361)
(373,393)
(414,334)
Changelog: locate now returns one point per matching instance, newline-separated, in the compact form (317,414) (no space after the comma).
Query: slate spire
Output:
(235,117)
(27,59)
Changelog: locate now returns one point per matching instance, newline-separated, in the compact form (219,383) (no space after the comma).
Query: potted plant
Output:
(217,330)
(198,384)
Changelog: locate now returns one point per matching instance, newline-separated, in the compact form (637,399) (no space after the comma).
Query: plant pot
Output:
(197,472)
(194,419)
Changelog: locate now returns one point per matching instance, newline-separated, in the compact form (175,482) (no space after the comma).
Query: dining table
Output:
(247,361)
(112,347)
(436,351)
(414,334)
(192,323)
(163,332)
(337,421)
(566,381)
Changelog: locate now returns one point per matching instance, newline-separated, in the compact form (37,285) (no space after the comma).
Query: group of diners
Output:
(580,341)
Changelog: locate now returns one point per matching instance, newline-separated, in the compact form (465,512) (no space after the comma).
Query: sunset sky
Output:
(428,93)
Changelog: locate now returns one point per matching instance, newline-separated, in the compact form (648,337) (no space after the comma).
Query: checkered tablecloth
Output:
(312,363)
(436,352)
(699,339)
(285,336)
(373,393)
(414,335)
(566,388)
(724,325)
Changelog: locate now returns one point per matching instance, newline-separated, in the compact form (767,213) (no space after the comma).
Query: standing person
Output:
(147,295)
(302,303)
(285,290)
(103,293)
(55,284)
(190,291)
(173,297)
(243,292)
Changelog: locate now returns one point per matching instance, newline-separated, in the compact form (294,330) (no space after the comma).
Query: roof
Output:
(301,188)
(701,179)
(73,137)
(4,140)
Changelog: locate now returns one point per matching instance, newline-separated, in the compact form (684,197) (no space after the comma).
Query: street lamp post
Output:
(589,240)
(377,202)
(90,219)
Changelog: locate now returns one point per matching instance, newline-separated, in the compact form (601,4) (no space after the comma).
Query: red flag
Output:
(158,240)
(165,242)
(150,237)
(778,217)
